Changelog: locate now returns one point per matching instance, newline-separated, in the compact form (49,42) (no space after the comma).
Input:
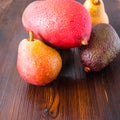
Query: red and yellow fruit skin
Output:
(38,65)
(62,23)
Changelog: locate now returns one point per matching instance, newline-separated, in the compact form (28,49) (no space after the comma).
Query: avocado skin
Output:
(103,47)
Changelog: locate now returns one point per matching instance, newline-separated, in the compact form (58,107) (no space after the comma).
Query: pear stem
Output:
(31,36)
(96,2)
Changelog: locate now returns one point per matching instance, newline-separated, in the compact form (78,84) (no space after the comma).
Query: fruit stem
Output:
(31,36)
(96,2)
(87,69)
(84,42)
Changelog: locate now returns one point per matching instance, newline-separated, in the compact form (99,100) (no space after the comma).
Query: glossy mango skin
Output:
(103,47)
(62,23)
(37,63)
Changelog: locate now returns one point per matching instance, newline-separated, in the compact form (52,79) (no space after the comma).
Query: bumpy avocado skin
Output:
(103,47)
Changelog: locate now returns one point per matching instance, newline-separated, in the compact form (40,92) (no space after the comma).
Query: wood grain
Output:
(74,95)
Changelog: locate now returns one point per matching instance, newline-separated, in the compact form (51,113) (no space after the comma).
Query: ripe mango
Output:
(61,23)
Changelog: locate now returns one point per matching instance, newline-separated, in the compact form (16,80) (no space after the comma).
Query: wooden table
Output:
(74,95)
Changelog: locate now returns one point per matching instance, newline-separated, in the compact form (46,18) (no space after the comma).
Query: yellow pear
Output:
(97,11)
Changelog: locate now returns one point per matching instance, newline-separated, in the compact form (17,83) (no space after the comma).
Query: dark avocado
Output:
(103,47)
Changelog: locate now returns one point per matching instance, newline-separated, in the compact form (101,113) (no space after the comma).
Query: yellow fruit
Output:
(97,11)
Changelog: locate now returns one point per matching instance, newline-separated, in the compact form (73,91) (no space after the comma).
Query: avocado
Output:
(103,47)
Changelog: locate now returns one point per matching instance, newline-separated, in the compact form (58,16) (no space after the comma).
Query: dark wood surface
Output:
(74,95)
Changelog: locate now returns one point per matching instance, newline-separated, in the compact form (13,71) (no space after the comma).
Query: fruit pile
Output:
(64,24)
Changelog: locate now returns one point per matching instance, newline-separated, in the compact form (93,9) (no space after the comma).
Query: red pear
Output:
(37,63)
